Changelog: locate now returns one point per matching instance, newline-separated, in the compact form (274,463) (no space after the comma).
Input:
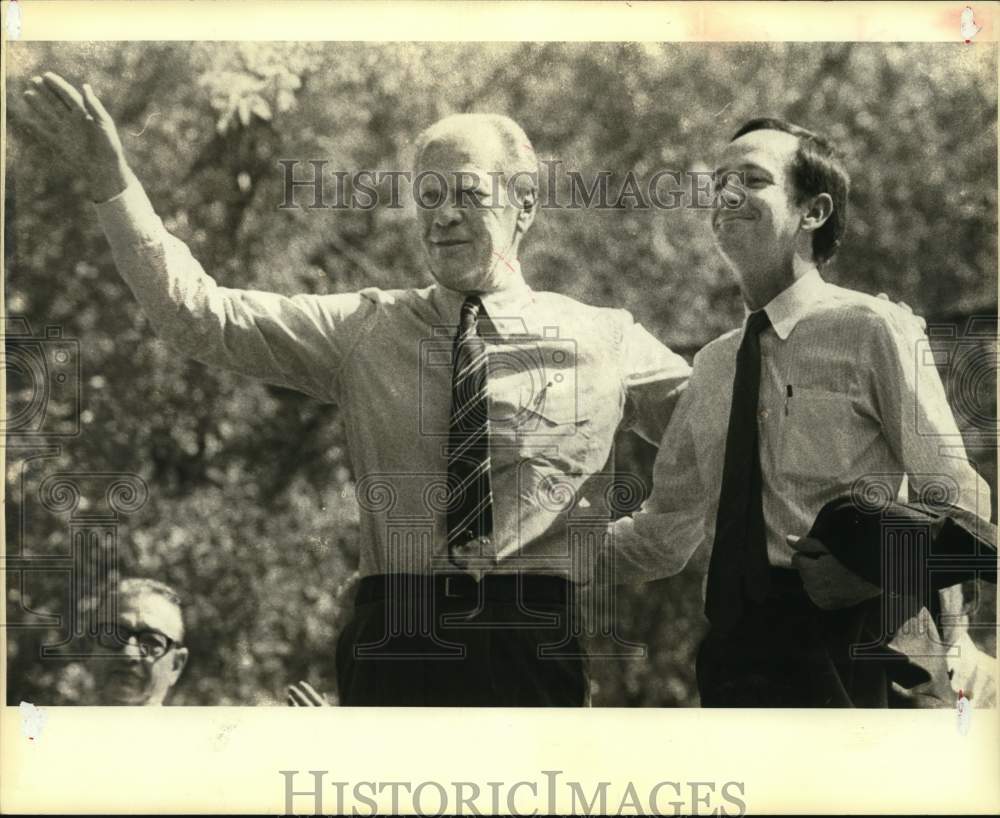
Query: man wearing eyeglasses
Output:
(140,653)
(479,412)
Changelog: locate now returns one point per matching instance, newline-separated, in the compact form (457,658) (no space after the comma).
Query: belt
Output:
(458,585)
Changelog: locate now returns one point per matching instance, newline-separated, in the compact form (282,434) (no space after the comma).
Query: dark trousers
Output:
(447,640)
(786,652)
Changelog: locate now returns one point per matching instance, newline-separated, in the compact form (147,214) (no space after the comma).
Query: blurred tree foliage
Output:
(251,510)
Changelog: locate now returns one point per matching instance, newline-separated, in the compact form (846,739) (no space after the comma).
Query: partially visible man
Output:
(477,410)
(138,654)
(819,395)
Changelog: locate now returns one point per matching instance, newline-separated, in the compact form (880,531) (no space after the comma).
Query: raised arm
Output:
(300,342)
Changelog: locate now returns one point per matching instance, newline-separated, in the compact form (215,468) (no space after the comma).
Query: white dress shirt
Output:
(851,404)
(563,377)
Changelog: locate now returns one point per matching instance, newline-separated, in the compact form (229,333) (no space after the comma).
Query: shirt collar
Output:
(502,306)
(793,303)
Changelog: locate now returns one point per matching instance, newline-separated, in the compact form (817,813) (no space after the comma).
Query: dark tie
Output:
(470,498)
(739,567)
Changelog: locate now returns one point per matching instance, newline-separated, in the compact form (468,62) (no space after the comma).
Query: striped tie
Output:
(470,498)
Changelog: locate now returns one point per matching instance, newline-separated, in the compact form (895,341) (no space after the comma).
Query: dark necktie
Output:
(739,567)
(470,498)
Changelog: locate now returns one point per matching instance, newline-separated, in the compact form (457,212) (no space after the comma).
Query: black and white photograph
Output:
(467,374)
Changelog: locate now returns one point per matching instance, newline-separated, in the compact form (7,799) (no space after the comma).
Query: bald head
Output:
(487,135)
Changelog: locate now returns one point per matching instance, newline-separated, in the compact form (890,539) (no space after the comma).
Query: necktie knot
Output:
(471,308)
(757,322)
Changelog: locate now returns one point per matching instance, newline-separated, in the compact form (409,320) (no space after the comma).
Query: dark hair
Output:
(816,168)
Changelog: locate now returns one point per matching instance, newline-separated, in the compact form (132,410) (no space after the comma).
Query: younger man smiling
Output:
(818,392)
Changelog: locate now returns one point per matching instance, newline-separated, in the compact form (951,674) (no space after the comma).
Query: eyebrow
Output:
(743,166)
(144,629)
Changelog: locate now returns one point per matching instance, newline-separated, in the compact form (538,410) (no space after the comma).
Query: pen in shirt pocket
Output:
(788,397)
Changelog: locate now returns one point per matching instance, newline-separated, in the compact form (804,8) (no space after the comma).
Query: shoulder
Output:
(368,305)
(379,299)
(715,362)
(396,298)
(584,319)
(570,306)
(722,348)
(858,312)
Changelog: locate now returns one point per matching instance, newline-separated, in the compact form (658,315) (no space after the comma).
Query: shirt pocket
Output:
(820,435)
(539,407)
(554,412)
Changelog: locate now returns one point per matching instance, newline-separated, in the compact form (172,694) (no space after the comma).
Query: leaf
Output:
(260,108)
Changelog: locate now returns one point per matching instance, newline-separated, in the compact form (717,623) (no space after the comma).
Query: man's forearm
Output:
(652,546)
(110,182)
(282,340)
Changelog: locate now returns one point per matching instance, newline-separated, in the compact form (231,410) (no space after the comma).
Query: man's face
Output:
(147,624)
(759,235)
(469,237)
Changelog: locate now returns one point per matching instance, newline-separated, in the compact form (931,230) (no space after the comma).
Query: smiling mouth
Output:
(721,220)
(449,243)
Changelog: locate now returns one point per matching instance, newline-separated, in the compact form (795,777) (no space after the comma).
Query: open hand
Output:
(77,128)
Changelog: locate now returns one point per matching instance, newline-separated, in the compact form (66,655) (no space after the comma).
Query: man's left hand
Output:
(972,672)
(829,583)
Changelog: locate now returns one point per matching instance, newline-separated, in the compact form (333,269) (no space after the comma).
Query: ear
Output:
(820,208)
(526,215)
(180,661)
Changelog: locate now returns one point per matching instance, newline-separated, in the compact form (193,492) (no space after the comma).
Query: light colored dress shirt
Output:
(563,377)
(851,404)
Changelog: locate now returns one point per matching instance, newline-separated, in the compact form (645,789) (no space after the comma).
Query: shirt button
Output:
(763,414)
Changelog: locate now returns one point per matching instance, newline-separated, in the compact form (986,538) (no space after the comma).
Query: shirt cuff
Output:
(130,214)
(622,529)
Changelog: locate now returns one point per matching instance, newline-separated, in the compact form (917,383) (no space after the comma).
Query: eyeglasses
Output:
(152,644)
